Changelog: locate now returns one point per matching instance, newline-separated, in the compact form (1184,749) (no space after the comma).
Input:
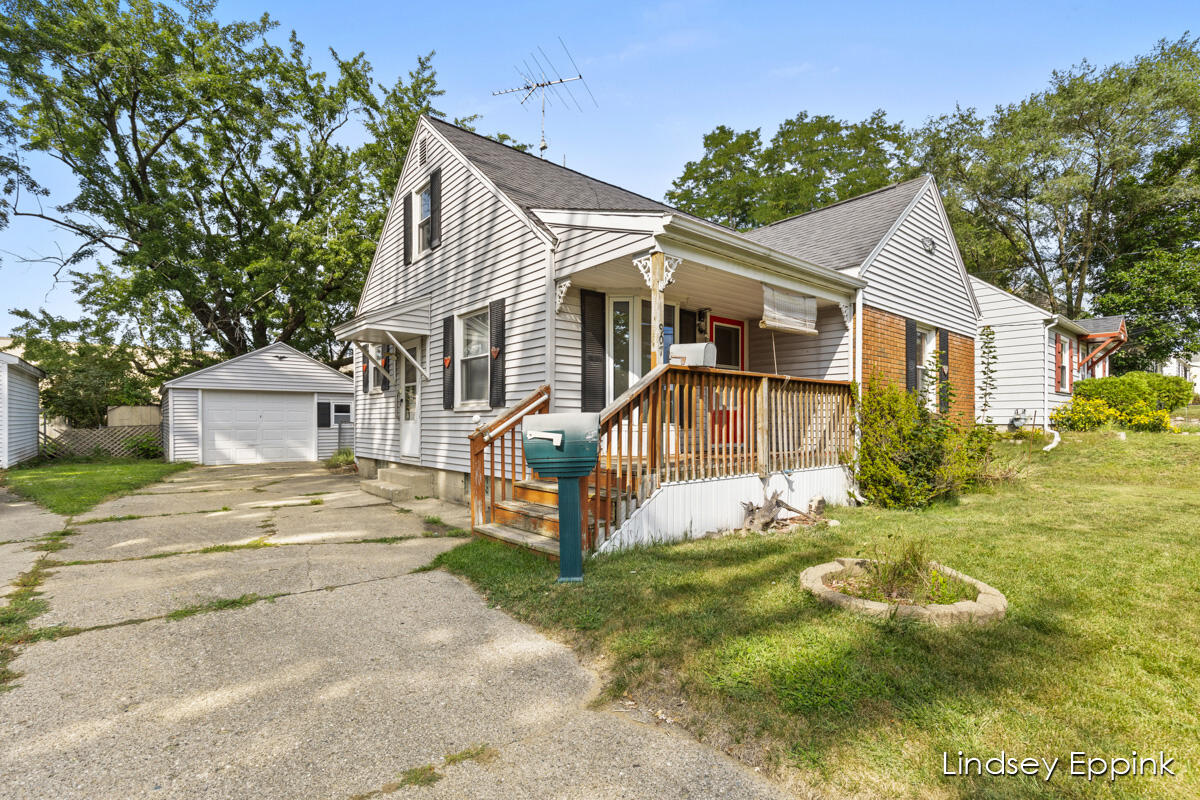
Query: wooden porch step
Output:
(540,490)
(515,537)
(538,518)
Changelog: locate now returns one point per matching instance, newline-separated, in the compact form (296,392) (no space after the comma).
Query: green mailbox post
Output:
(567,447)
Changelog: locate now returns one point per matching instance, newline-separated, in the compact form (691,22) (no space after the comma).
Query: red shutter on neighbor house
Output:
(1071,366)
(1057,363)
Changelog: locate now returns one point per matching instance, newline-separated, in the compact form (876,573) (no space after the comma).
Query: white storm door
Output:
(258,427)
(409,407)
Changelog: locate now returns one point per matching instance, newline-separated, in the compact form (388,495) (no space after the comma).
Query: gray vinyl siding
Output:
(164,426)
(262,371)
(487,252)
(907,280)
(567,392)
(21,411)
(327,438)
(1020,370)
(3,415)
(580,248)
(825,356)
(184,405)
(1025,358)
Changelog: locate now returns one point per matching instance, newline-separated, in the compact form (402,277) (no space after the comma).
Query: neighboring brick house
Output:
(918,303)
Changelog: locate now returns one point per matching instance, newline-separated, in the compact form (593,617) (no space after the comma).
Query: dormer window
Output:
(424,219)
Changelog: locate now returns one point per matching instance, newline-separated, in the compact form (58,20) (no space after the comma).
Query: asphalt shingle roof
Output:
(842,235)
(1101,324)
(532,182)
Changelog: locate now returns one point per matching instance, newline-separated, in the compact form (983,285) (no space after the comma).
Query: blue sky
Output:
(666,73)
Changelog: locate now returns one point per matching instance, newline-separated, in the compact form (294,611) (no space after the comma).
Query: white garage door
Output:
(256,427)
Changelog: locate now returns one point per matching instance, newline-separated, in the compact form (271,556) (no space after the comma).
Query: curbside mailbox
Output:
(566,447)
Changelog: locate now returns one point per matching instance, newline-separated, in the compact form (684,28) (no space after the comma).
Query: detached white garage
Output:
(275,404)
(18,410)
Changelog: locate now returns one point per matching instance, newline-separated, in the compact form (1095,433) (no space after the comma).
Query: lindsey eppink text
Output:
(1073,765)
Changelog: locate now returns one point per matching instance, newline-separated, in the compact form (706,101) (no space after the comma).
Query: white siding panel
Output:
(327,438)
(488,252)
(272,368)
(567,392)
(824,356)
(21,403)
(580,248)
(1020,366)
(906,279)
(185,424)
(3,416)
(689,510)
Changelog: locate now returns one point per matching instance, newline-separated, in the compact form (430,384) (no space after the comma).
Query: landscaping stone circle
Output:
(989,606)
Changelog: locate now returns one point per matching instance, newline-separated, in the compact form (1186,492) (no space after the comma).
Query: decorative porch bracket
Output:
(560,293)
(658,270)
(407,355)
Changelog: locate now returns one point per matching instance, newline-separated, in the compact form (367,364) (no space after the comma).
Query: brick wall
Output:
(883,355)
(962,377)
(883,345)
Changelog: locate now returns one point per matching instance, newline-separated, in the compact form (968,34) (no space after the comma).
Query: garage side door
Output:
(258,427)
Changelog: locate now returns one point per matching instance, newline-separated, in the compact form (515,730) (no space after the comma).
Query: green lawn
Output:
(1096,550)
(72,488)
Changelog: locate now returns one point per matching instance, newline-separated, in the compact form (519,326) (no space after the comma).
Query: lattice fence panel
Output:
(86,441)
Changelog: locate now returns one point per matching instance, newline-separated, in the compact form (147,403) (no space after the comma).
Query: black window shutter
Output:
(687,327)
(408,234)
(593,380)
(912,355)
(943,369)
(496,388)
(385,382)
(435,208)
(323,418)
(448,363)
(366,369)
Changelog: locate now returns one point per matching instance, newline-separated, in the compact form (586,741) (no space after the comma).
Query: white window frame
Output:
(420,247)
(376,386)
(635,336)
(334,413)
(460,403)
(928,388)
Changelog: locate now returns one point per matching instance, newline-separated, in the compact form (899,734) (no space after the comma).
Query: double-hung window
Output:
(341,413)
(473,357)
(425,219)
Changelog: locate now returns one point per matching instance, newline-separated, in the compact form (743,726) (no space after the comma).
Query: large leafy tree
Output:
(1153,273)
(810,162)
(1036,187)
(214,180)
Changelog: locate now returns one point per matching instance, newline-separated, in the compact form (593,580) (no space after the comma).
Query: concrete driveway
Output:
(330,669)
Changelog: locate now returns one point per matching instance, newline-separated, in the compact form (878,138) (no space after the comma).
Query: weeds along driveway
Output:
(261,648)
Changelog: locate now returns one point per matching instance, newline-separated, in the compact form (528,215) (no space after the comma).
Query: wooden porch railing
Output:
(691,423)
(676,424)
(498,457)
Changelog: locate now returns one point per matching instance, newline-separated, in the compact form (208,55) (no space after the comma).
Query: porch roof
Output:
(410,318)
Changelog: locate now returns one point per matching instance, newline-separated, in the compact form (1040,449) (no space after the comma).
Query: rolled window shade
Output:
(785,310)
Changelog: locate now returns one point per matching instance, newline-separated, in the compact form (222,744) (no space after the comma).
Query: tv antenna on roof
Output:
(538,79)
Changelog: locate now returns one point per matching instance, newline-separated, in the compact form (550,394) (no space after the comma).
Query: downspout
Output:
(551,325)
(1046,391)
(857,373)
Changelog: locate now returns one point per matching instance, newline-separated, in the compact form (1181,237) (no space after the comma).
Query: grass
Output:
(479,753)
(1100,652)
(425,775)
(223,604)
(72,488)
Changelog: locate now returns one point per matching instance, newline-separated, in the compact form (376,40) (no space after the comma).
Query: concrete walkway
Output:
(355,670)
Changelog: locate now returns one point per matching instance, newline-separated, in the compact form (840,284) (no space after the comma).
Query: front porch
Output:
(680,450)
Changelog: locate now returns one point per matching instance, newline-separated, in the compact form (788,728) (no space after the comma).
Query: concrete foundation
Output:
(453,487)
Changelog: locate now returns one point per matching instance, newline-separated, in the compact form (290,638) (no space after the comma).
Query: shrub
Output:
(1083,414)
(908,576)
(1144,418)
(144,445)
(908,456)
(1126,393)
(343,457)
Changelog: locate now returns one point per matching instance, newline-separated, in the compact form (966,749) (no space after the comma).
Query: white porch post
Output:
(658,270)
